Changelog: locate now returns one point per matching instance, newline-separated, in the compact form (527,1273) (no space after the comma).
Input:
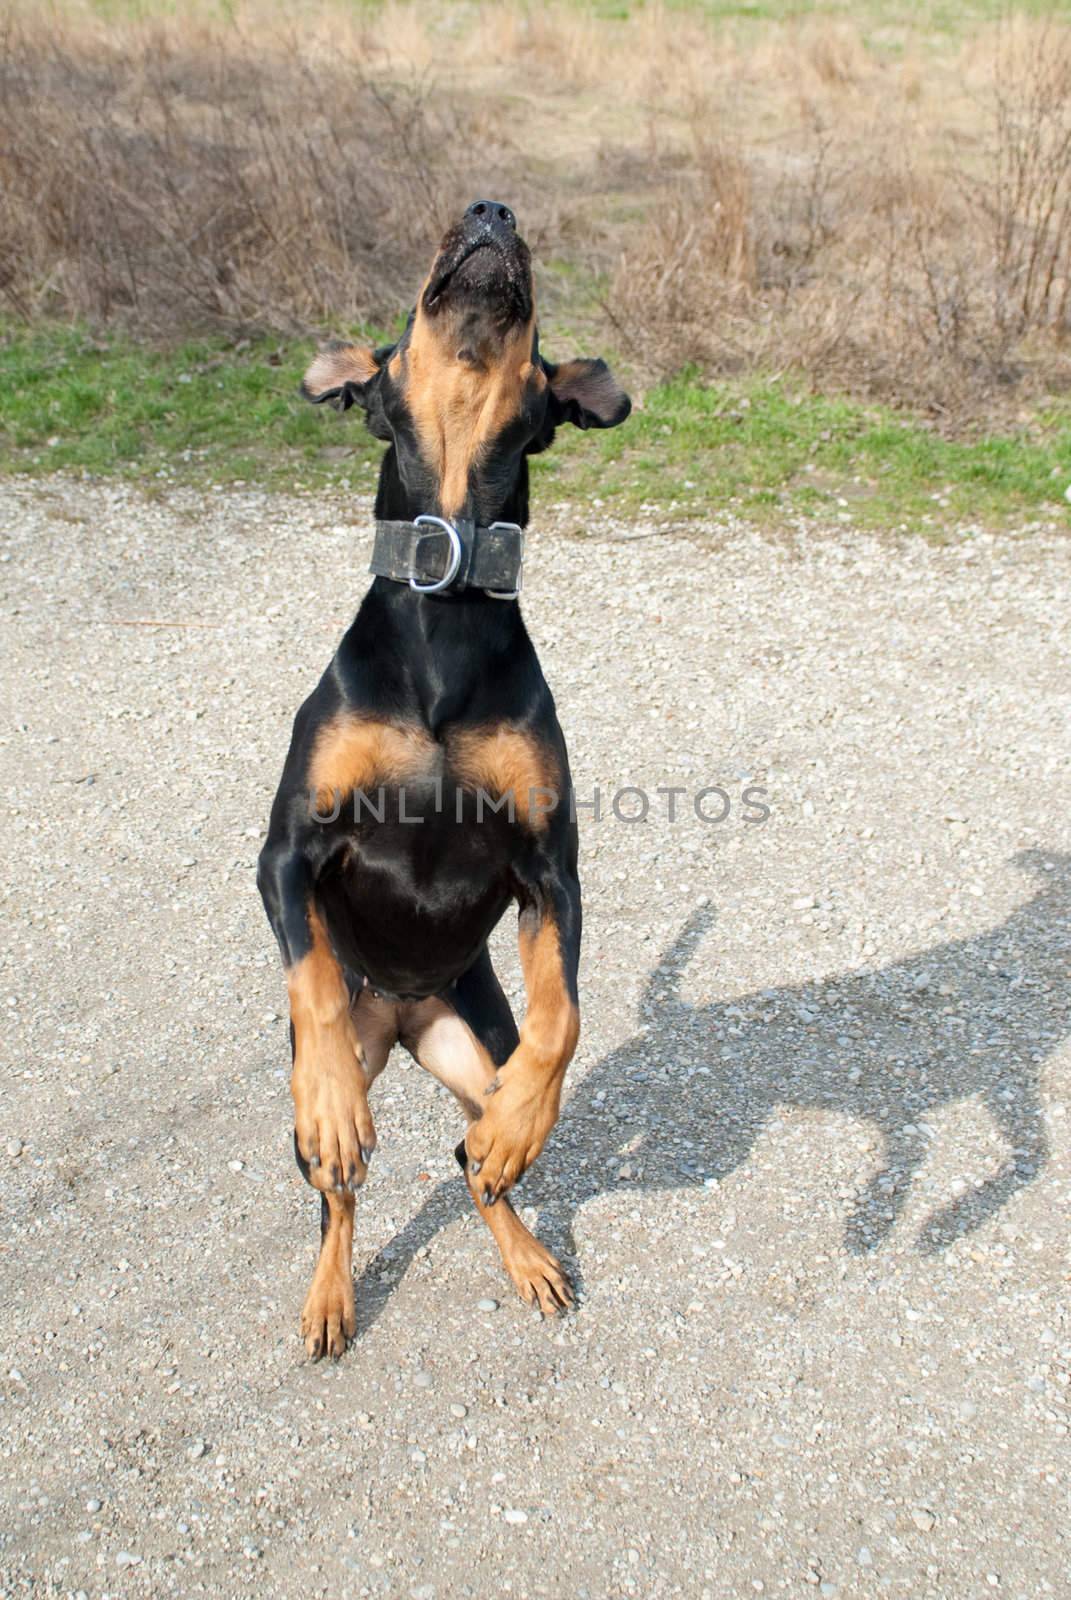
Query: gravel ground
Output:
(812,1174)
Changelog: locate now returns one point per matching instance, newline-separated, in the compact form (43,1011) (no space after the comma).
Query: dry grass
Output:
(877,245)
(783,196)
(186,176)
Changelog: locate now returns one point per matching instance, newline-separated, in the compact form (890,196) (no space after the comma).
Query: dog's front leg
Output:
(333,1129)
(522,1102)
(334,1135)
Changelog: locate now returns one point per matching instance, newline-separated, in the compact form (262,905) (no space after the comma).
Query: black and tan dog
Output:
(427,784)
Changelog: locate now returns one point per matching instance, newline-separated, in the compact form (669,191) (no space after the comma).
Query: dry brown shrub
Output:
(814,54)
(880,258)
(1028,204)
(189,176)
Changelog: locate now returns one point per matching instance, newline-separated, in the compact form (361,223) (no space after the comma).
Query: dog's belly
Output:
(409,905)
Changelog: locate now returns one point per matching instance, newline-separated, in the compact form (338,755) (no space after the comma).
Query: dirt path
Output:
(814,1165)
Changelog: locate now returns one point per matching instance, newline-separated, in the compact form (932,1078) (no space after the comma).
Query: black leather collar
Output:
(422,553)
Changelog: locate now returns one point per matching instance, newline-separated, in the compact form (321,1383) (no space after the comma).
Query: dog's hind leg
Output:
(328,1320)
(462,1040)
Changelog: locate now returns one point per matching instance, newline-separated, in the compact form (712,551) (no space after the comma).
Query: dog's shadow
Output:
(685,1099)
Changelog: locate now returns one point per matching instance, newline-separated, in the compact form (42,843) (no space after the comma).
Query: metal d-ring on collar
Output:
(454,566)
(456,556)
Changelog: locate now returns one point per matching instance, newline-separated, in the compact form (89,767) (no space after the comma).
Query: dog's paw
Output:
(539,1279)
(333,1128)
(512,1131)
(329,1320)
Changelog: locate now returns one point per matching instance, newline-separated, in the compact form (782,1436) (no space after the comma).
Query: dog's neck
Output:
(446,658)
(498,491)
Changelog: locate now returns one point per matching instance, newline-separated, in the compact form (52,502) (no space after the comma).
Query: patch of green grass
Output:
(204,410)
(772,450)
(207,411)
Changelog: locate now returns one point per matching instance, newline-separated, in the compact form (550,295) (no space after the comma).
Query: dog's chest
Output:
(378,771)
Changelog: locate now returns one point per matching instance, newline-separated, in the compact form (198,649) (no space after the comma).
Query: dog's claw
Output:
(366,1155)
(314,1161)
(493,1087)
(475,1168)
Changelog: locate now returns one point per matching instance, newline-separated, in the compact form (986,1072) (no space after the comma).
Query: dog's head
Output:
(465,397)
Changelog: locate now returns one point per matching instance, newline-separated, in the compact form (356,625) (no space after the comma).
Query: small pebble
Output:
(487,1304)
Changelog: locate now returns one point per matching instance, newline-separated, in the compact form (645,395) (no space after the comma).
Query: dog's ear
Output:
(342,374)
(586,393)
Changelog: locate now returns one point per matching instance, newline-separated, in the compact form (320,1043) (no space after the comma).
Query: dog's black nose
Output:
(492,214)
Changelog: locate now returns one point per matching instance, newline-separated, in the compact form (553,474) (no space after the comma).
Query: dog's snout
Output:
(491,214)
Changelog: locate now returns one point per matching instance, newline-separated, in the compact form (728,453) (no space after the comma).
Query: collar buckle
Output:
(508,594)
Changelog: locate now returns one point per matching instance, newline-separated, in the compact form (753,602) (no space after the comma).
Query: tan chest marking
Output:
(358,753)
(504,761)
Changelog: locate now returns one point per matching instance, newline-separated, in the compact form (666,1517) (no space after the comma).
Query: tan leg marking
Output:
(328,1320)
(359,753)
(376,1022)
(521,1113)
(332,1119)
(447,1048)
(502,760)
